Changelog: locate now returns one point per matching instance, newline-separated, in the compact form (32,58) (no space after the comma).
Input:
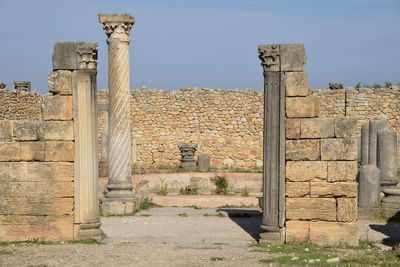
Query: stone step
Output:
(204,201)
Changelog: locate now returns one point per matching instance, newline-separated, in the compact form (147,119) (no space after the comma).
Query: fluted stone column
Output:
(276,60)
(119,199)
(81,59)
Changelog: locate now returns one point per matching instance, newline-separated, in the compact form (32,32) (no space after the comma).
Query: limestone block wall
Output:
(227,125)
(321,170)
(363,104)
(36,166)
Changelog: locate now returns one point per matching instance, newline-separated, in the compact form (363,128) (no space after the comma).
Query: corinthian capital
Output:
(117,26)
(269,55)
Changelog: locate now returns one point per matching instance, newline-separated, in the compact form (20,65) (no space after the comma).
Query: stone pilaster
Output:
(81,59)
(276,59)
(119,199)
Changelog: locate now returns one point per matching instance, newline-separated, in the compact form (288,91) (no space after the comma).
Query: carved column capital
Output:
(117,26)
(75,56)
(270,57)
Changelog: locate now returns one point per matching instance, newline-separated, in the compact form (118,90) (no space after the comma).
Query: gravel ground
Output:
(131,254)
(172,237)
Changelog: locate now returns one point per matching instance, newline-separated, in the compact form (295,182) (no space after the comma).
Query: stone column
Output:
(81,59)
(119,199)
(276,59)
(387,156)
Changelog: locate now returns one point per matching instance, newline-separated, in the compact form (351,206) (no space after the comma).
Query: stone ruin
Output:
(378,171)
(310,158)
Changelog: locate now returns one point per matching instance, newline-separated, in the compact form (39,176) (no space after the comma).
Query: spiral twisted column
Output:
(119,199)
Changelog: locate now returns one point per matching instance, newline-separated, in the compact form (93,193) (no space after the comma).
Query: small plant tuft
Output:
(217,259)
(183,214)
(190,190)
(89,241)
(358,85)
(163,189)
(222,185)
(245,192)
(388,84)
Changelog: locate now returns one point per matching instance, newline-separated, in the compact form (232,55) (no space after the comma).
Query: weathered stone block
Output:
(345,127)
(57,108)
(311,209)
(50,171)
(32,151)
(60,82)
(37,190)
(292,127)
(298,171)
(302,107)
(317,128)
(28,227)
(297,189)
(6,134)
(59,151)
(297,231)
(333,233)
(296,84)
(303,150)
(9,151)
(57,130)
(347,209)
(37,206)
(26,130)
(340,189)
(13,171)
(342,171)
(339,149)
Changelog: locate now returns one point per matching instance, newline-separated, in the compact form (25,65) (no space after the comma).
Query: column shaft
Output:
(119,199)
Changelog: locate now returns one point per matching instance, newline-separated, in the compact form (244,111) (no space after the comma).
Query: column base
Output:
(88,231)
(273,237)
(118,206)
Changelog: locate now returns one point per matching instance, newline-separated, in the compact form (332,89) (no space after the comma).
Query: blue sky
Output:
(208,43)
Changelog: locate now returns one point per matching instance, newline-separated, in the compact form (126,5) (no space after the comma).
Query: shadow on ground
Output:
(248,220)
(391,229)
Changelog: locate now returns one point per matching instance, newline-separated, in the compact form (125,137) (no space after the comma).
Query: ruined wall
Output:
(227,125)
(363,104)
(321,170)
(36,166)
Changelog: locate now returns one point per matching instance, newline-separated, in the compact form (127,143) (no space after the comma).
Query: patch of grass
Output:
(220,214)
(38,241)
(222,184)
(206,214)
(6,243)
(144,204)
(145,215)
(183,214)
(190,190)
(245,192)
(89,241)
(6,252)
(217,259)
(307,254)
(358,85)
(163,189)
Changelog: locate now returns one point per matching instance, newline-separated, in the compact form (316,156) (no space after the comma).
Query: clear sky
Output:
(208,43)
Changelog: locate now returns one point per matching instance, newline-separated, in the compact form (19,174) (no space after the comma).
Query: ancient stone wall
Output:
(321,170)
(226,124)
(36,166)
(363,104)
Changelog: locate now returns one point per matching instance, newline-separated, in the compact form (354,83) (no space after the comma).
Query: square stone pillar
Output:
(81,59)
(276,60)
